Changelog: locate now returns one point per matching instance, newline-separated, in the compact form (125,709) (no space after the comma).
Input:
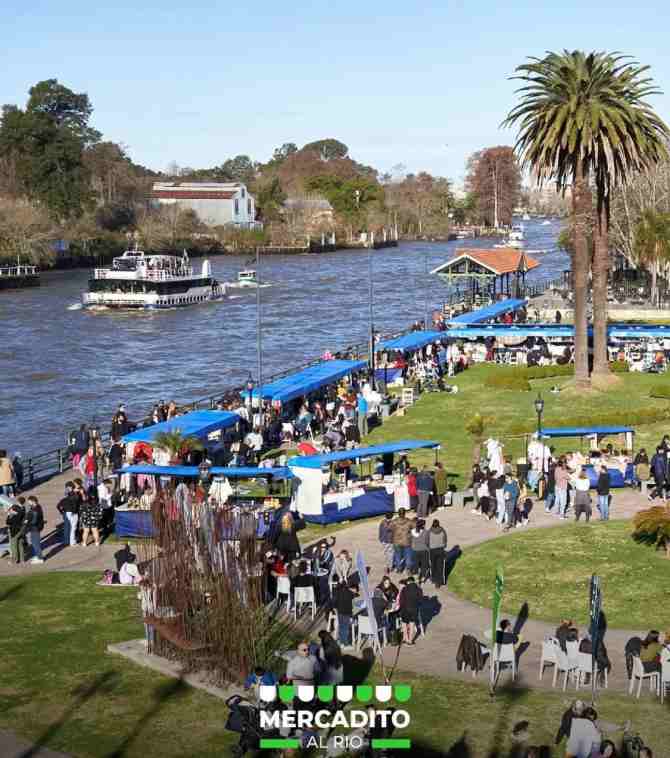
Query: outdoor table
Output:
(133,522)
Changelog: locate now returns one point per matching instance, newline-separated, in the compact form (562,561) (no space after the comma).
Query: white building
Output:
(216,203)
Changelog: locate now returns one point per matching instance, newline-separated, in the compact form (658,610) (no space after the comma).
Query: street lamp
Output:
(539,408)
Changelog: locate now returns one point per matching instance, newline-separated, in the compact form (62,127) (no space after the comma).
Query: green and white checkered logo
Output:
(364,693)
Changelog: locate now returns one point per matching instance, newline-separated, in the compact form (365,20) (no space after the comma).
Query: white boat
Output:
(247,278)
(526,217)
(139,280)
(546,223)
(515,238)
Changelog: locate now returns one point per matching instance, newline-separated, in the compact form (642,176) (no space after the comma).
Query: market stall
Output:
(136,521)
(621,472)
(199,424)
(327,492)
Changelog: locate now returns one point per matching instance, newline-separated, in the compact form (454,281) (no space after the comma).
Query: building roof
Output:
(180,194)
(499,260)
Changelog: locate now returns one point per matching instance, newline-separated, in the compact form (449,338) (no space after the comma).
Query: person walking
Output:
(437,546)
(35,525)
(362,408)
(7,477)
(582,484)
(343,603)
(603,490)
(385,536)
(401,529)
(420,551)
(561,481)
(408,603)
(659,470)
(67,504)
(511,494)
(16,526)
(91,516)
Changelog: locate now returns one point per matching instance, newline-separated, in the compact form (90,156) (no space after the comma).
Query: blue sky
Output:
(421,84)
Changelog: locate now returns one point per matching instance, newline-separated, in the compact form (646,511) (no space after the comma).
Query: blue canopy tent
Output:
(617,478)
(308,380)
(411,341)
(138,523)
(500,331)
(318,508)
(490,312)
(196,423)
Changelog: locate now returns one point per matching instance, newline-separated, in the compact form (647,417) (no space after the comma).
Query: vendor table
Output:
(133,522)
(388,374)
(353,504)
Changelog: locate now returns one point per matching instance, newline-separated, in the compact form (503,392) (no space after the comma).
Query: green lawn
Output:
(441,416)
(59,687)
(551,569)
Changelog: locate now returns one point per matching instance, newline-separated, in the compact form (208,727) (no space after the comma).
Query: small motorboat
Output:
(247,278)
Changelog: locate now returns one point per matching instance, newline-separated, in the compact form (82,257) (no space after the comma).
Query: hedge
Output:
(613,418)
(507,381)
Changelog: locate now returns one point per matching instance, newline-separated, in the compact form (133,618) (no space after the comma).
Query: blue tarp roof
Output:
(500,330)
(411,341)
(402,446)
(490,312)
(232,472)
(196,423)
(633,332)
(583,431)
(309,379)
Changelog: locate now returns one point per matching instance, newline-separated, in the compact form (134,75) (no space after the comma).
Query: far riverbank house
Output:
(216,203)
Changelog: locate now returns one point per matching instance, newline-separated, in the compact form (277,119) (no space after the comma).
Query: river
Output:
(62,365)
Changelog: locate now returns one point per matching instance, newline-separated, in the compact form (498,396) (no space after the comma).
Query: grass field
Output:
(551,569)
(441,416)
(59,688)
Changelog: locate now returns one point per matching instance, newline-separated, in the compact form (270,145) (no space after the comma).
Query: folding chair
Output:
(284,588)
(548,657)
(640,674)
(503,655)
(563,665)
(303,596)
(364,630)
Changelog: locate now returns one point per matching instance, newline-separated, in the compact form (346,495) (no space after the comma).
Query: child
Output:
(523,509)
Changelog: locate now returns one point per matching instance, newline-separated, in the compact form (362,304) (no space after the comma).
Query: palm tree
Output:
(176,444)
(652,245)
(582,118)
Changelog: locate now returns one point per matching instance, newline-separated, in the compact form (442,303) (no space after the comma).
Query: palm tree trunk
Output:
(580,274)
(601,262)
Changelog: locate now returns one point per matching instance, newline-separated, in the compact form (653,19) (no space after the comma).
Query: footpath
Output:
(434,654)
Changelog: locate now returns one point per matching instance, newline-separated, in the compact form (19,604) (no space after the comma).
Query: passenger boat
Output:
(515,238)
(139,280)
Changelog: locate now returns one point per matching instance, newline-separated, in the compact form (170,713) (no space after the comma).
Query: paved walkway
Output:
(436,653)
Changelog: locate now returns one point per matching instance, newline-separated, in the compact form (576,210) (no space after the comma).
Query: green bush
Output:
(545,372)
(612,418)
(507,381)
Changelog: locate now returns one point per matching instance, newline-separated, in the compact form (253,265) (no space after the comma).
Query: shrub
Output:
(611,418)
(507,381)
(653,527)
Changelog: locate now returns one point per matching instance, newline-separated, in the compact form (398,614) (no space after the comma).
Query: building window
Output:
(237,207)
(249,209)
(243,192)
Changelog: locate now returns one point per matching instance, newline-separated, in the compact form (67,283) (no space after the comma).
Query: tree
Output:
(269,200)
(239,169)
(494,178)
(327,149)
(175,443)
(280,154)
(46,144)
(583,117)
(652,526)
(652,245)
(26,232)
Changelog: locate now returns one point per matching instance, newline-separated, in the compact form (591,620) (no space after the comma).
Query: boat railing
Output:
(153,275)
(20,270)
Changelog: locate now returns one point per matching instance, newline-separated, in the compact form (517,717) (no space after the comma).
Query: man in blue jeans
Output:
(401,532)
(343,603)
(603,490)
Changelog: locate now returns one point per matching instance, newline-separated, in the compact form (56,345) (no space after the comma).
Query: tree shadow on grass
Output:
(10,591)
(172,689)
(461,749)
(103,683)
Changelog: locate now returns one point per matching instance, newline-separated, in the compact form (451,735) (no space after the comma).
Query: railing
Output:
(18,271)
(154,275)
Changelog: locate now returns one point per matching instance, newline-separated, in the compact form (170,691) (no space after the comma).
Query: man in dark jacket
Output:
(424,486)
(16,526)
(659,470)
(603,490)
(343,603)
(119,423)
(68,507)
(401,529)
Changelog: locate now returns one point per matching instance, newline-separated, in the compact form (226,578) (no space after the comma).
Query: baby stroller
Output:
(245,719)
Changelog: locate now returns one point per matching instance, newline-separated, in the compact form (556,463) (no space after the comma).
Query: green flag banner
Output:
(497,602)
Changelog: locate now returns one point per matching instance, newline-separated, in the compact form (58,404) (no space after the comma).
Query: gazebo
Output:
(488,272)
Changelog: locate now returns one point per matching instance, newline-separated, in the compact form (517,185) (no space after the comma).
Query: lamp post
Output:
(259,339)
(539,408)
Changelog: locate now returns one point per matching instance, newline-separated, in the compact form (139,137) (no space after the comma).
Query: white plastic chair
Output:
(284,588)
(665,677)
(503,655)
(563,665)
(572,647)
(640,674)
(303,596)
(332,625)
(363,630)
(548,654)
(585,669)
